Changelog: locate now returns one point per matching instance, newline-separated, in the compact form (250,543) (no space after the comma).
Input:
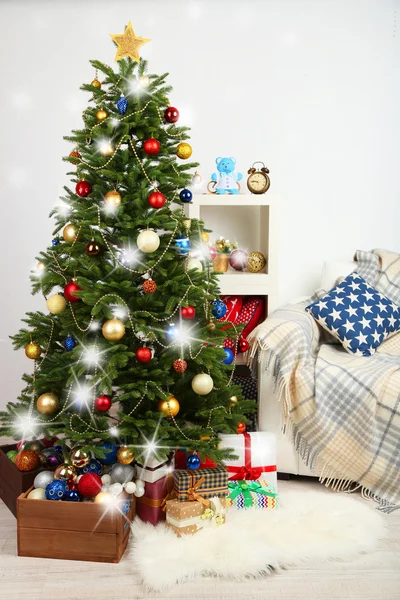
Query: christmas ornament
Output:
(143,354)
(130,487)
(70,233)
(65,471)
(205,438)
(212,252)
(188,312)
(186,195)
(26,460)
(89,485)
(72,496)
(79,457)
(116,489)
(43,479)
(172,332)
(139,492)
(243,345)
(182,244)
(37,494)
(218,308)
(144,81)
(196,179)
(211,326)
(205,236)
(106,149)
(33,350)
(128,43)
(149,286)
(40,266)
(56,490)
(125,455)
(92,248)
(83,188)
(106,479)
(101,114)
(53,458)
(229,356)
(180,365)
(96,83)
(187,223)
(113,199)
(170,407)
(193,462)
(113,330)
(255,262)
(220,245)
(148,241)
(151,146)
(35,445)
(171,114)
(156,200)
(69,343)
(69,291)
(75,154)
(194,263)
(102,403)
(110,454)
(122,105)
(233,400)
(11,454)
(55,242)
(49,442)
(184,150)
(120,473)
(104,498)
(93,466)
(56,304)
(47,404)
(241,427)
(202,384)
(237,259)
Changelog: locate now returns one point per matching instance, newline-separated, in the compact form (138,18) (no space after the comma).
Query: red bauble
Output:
(75,154)
(143,354)
(89,485)
(241,427)
(171,115)
(188,312)
(102,403)
(180,365)
(69,290)
(149,286)
(49,442)
(83,188)
(26,460)
(237,259)
(151,146)
(243,345)
(212,251)
(156,200)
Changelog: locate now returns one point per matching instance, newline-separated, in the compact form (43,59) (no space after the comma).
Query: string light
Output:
(26,426)
(114,432)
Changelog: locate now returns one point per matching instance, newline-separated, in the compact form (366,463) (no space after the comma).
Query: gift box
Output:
(257,456)
(149,507)
(200,483)
(190,517)
(251,494)
(154,470)
(181,456)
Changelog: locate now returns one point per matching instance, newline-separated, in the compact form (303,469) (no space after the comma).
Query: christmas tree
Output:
(130,349)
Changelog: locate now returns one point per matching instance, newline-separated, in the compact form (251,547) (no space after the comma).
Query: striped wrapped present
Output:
(200,483)
(251,494)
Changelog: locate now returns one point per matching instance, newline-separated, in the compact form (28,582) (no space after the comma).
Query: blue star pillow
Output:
(357,315)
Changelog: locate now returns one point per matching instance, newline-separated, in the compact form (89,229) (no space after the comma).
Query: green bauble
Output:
(12,454)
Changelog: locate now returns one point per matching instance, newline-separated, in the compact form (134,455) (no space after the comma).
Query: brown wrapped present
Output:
(200,484)
(189,517)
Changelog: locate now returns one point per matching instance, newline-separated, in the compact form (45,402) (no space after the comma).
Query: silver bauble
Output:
(43,479)
(122,473)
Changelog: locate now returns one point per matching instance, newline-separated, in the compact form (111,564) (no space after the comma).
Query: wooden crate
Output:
(13,481)
(72,530)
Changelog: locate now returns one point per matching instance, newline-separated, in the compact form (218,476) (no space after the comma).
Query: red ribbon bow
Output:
(247,471)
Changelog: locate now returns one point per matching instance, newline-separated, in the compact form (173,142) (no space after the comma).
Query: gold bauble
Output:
(47,404)
(96,83)
(56,304)
(113,330)
(40,266)
(144,81)
(184,150)
(106,149)
(70,233)
(101,114)
(37,494)
(33,350)
(220,245)
(205,236)
(36,446)
(66,471)
(104,498)
(205,438)
(113,198)
(79,457)
(233,400)
(43,459)
(255,262)
(170,407)
(211,326)
(125,455)
(187,223)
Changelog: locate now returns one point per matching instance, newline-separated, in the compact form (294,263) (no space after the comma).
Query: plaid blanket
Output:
(342,411)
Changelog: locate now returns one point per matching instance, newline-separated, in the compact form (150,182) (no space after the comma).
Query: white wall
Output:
(309,87)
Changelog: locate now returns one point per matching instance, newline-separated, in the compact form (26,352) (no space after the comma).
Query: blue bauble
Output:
(193,462)
(72,496)
(55,242)
(69,343)
(186,195)
(122,105)
(229,356)
(93,466)
(57,489)
(125,507)
(219,309)
(110,451)
(182,244)
(57,449)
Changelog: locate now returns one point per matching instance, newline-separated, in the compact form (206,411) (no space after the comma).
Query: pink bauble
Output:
(237,259)
(212,251)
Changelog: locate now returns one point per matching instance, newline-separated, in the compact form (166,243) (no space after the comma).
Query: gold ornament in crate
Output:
(184,150)
(79,457)
(47,404)
(33,350)
(66,471)
(255,262)
(125,455)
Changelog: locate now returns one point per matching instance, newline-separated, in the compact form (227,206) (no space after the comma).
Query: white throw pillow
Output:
(332,270)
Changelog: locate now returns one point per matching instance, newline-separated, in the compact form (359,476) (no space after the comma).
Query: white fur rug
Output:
(307,527)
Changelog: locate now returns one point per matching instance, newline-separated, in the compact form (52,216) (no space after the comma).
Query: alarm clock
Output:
(258,181)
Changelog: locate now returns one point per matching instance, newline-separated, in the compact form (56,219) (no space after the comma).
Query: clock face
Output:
(258,183)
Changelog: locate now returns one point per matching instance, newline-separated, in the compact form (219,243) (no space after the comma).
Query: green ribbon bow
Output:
(246,487)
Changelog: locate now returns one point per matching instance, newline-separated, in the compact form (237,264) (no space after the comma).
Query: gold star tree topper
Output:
(128,43)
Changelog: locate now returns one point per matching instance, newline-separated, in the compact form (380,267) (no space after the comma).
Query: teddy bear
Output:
(226,180)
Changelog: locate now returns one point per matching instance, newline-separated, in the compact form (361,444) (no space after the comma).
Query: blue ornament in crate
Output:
(69,343)
(193,462)
(93,466)
(55,242)
(182,244)
(57,489)
(72,496)
(186,195)
(226,181)
(110,451)
(229,356)
(125,507)
(218,309)
(122,105)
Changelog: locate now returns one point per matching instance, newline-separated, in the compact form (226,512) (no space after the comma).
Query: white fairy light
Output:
(104,146)
(119,312)
(94,326)
(115,122)
(91,355)
(129,255)
(82,396)
(26,426)
(114,431)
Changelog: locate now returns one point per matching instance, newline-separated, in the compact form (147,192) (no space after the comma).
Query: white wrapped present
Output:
(153,470)
(257,456)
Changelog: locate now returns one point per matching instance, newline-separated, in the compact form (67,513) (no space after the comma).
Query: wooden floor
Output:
(374,577)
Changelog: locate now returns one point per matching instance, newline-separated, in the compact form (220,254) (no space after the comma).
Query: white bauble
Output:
(116,489)
(202,384)
(139,492)
(106,479)
(196,179)
(148,241)
(194,263)
(37,494)
(130,487)
(139,483)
